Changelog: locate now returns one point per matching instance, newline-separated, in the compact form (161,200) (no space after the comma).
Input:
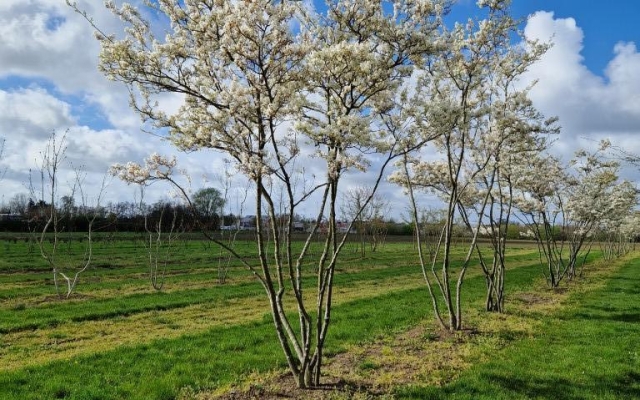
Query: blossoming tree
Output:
(278,88)
(514,132)
(564,206)
(467,103)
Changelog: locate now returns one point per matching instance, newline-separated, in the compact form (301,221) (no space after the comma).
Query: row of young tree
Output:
(53,221)
(299,97)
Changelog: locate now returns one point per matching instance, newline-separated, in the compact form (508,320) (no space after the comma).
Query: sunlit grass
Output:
(583,345)
(121,339)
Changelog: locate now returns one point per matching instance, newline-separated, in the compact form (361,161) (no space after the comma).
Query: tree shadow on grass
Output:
(556,388)
(495,386)
(500,386)
(626,386)
(629,317)
(626,280)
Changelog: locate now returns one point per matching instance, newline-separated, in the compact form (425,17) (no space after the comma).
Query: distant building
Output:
(248,223)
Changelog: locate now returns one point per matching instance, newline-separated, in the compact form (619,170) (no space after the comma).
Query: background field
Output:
(117,337)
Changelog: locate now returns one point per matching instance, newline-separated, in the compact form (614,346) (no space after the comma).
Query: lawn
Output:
(119,338)
(587,349)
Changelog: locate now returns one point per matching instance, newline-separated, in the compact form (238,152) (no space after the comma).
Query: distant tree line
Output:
(22,214)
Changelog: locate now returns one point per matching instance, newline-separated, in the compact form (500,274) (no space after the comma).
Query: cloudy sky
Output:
(49,81)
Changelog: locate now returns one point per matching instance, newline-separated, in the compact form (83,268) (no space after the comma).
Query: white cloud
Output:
(32,113)
(29,117)
(588,105)
(47,40)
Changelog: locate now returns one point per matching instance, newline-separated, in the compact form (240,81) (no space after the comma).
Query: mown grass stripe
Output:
(17,319)
(157,370)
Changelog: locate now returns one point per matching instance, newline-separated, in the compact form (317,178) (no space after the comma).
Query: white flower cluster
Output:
(156,167)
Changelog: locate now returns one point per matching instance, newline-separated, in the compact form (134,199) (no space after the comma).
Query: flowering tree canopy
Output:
(565,206)
(276,86)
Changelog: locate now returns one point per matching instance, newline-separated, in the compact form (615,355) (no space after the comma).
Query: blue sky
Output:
(49,81)
(603,25)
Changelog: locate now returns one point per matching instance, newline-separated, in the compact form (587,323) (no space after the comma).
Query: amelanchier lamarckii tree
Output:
(467,101)
(565,206)
(621,234)
(513,132)
(624,228)
(597,198)
(244,68)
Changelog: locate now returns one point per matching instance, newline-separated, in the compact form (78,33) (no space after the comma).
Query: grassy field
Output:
(118,338)
(587,349)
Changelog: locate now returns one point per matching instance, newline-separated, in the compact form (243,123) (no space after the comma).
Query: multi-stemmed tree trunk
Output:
(460,104)
(245,68)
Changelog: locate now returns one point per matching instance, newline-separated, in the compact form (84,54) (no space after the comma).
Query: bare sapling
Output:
(162,233)
(229,232)
(370,223)
(66,263)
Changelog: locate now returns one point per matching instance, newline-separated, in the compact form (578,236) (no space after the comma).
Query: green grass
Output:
(227,354)
(222,356)
(17,316)
(590,349)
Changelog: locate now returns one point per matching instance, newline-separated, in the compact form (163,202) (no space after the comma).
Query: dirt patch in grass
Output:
(280,385)
(370,371)
(541,301)
(531,298)
(425,353)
